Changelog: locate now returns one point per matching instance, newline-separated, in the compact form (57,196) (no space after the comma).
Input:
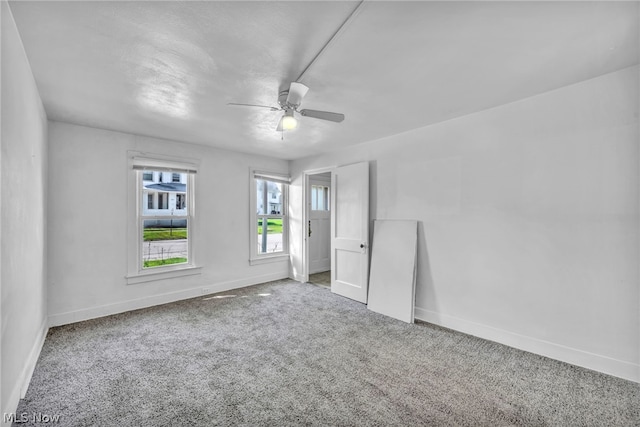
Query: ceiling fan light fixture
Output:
(289,122)
(289,101)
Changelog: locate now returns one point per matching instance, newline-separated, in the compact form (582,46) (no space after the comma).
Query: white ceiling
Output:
(168,69)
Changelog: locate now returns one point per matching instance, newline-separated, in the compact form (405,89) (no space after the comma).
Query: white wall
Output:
(529,227)
(88,223)
(22,219)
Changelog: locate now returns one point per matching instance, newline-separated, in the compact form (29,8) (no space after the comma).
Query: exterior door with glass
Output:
(319,226)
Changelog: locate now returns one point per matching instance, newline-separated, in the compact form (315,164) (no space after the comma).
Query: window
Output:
(163,201)
(269,222)
(181,201)
(161,226)
(320,198)
(165,237)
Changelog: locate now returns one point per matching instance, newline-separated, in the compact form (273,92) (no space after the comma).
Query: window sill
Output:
(268,259)
(150,276)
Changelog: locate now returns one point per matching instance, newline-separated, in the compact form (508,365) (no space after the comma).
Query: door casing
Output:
(306,210)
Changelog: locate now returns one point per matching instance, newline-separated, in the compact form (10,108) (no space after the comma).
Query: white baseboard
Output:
(32,359)
(297,277)
(152,300)
(617,368)
(19,389)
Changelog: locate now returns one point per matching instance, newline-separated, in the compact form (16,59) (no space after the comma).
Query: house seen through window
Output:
(164,219)
(270,218)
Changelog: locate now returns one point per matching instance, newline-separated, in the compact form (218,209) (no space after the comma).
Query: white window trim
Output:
(255,257)
(137,163)
(266,258)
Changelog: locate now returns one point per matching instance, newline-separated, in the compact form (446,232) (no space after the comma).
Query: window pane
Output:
(320,198)
(271,241)
(165,242)
(164,198)
(261,193)
(314,198)
(268,197)
(181,201)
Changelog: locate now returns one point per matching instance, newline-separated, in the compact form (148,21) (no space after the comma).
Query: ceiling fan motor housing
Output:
(282,100)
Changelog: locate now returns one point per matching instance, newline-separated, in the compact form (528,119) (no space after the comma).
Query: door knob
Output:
(309,228)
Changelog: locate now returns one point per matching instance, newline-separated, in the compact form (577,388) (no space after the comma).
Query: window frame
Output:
(255,256)
(137,164)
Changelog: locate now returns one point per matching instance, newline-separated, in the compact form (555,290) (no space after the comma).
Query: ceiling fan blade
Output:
(279,128)
(297,91)
(254,105)
(323,115)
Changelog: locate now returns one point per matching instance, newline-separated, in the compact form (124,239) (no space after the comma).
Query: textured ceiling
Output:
(168,69)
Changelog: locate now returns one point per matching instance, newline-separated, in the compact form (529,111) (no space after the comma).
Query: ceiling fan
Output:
(289,101)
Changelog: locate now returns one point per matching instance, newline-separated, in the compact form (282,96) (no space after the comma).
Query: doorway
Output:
(342,192)
(318,227)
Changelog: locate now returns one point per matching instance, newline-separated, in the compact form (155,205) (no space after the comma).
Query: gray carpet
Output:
(285,353)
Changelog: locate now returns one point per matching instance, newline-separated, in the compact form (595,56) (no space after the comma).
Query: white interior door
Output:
(350,231)
(319,226)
